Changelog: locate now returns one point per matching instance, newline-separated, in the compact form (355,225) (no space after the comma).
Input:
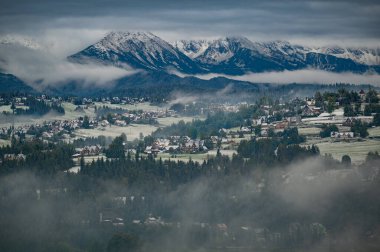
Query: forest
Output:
(255,200)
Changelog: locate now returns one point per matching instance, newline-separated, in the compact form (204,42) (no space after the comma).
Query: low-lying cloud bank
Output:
(41,65)
(39,69)
(311,76)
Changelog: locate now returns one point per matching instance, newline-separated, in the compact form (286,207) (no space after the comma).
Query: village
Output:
(113,116)
(184,136)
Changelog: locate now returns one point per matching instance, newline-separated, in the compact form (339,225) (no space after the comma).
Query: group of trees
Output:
(360,128)
(40,158)
(350,100)
(218,182)
(116,148)
(37,107)
(222,190)
(99,140)
(327,129)
(252,154)
(206,128)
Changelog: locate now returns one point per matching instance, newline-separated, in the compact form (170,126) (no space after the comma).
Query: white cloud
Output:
(40,68)
(311,76)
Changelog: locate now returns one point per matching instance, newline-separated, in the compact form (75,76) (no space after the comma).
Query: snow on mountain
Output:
(223,49)
(192,48)
(138,50)
(219,50)
(367,56)
(236,55)
(230,55)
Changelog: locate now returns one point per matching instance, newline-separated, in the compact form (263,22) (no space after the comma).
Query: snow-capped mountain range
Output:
(230,55)
(160,59)
(141,50)
(195,48)
(367,56)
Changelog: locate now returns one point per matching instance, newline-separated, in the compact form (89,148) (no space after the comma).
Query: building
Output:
(342,135)
(14,157)
(93,150)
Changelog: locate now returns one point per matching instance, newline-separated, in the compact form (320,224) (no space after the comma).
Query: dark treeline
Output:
(82,142)
(47,210)
(212,124)
(65,207)
(37,157)
(36,106)
(273,195)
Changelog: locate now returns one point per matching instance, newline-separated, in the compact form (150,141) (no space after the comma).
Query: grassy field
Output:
(70,114)
(374,132)
(132,131)
(88,159)
(7,108)
(195,157)
(309,131)
(356,150)
(167,121)
(140,106)
(4,142)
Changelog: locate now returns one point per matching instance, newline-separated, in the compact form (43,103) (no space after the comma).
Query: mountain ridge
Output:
(230,55)
(141,50)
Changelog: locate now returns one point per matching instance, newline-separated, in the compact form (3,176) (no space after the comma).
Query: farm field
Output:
(132,131)
(356,150)
(309,131)
(167,121)
(7,108)
(70,114)
(194,157)
(4,142)
(145,106)
(374,132)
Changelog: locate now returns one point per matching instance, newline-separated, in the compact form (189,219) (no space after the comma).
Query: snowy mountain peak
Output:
(118,36)
(192,48)
(233,55)
(142,50)
(368,56)
(132,40)
(238,40)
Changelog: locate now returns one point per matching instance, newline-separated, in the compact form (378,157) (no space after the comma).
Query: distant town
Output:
(172,147)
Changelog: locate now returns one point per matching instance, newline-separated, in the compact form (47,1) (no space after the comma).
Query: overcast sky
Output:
(72,24)
(64,27)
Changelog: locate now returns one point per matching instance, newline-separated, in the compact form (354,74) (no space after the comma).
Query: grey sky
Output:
(64,27)
(316,21)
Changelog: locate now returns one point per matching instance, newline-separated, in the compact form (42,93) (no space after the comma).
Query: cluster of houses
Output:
(309,114)
(122,119)
(186,145)
(110,100)
(336,117)
(176,144)
(20,100)
(342,135)
(93,150)
(14,157)
(44,131)
(212,108)
(123,100)
(47,130)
